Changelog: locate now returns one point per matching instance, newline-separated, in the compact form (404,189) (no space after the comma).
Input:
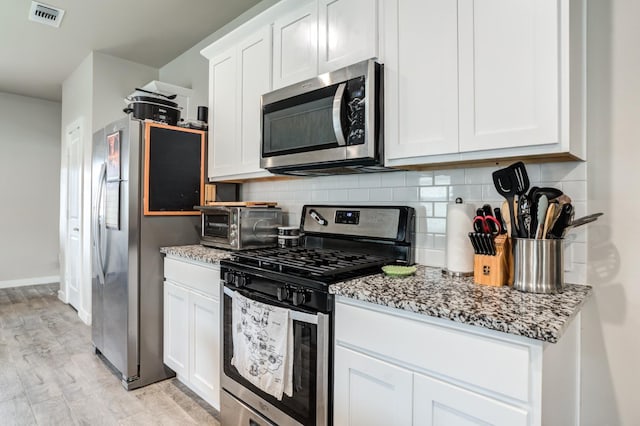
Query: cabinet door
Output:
(421,77)
(439,403)
(254,73)
(370,392)
(224,151)
(509,72)
(176,328)
(295,46)
(204,344)
(347,32)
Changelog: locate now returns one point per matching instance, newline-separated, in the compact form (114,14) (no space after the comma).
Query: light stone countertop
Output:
(429,292)
(197,252)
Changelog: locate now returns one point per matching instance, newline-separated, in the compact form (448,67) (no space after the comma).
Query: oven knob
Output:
(283,293)
(299,297)
(241,280)
(228,277)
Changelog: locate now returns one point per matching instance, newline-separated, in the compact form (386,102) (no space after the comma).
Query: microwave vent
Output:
(45,14)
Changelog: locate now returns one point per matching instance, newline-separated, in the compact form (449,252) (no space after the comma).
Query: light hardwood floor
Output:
(49,374)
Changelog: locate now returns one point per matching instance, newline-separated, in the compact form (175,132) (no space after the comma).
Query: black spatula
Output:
(505,181)
(524,204)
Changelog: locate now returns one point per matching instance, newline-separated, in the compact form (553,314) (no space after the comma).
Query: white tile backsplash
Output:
(440,209)
(429,192)
(449,177)
(358,195)
(434,193)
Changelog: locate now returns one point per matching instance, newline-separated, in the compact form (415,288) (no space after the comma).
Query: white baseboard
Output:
(30,281)
(85,316)
(62,296)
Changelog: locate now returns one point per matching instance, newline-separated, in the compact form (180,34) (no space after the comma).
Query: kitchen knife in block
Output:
(495,270)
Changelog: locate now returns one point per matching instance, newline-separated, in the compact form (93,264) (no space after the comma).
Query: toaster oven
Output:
(240,227)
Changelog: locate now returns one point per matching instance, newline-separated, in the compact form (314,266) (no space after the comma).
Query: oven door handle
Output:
(294,315)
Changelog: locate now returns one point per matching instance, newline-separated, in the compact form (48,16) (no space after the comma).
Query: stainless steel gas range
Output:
(339,243)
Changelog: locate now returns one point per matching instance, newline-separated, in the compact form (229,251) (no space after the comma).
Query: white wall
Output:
(29,176)
(113,80)
(611,334)
(191,69)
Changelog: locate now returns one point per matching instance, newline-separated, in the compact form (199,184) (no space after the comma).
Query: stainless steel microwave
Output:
(330,124)
(240,228)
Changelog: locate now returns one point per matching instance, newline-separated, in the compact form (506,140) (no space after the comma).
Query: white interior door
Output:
(73,251)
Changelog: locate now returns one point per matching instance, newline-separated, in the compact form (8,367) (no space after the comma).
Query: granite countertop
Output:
(197,252)
(536,316)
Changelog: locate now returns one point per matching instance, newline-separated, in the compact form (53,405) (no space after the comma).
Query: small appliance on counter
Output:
(144,104)
(240,225)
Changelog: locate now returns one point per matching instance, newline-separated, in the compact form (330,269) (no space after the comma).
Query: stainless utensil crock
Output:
(538,265)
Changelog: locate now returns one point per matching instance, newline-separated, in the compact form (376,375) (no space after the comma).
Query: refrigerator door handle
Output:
(97,240)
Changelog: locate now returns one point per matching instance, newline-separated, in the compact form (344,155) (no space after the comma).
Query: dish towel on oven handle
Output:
(263,345)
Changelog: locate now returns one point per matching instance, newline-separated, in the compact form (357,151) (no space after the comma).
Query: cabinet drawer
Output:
(205,279)
(492,364)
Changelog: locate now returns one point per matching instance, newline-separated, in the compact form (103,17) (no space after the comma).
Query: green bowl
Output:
(398,271)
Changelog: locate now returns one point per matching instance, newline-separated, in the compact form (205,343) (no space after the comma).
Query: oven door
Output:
(216,227)
(308,404)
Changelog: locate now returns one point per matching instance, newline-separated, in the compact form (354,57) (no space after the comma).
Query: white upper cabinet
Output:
(323,36)
(254,72)
(238,77)
(421,78)
(347,32)
(509,73)
(295,46)
(222,131)
(483,79)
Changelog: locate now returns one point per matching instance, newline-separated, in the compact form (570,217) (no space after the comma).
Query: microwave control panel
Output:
(356,110)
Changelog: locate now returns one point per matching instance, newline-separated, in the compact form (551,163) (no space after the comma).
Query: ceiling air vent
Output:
(45,14)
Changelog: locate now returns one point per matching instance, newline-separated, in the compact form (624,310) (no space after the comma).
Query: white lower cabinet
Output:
(438,403)
(369,392)
(176,328)
(192,326)
(204,346)
(396,367)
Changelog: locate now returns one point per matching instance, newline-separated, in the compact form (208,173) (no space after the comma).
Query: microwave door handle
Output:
(337,116)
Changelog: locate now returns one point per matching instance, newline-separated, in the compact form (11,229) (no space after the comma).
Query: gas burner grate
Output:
(312,261)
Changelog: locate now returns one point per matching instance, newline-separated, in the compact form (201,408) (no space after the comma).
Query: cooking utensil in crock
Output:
(524,206)
(582,221)
(506,184)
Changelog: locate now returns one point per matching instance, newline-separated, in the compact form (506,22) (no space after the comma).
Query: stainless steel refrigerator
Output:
(127,278)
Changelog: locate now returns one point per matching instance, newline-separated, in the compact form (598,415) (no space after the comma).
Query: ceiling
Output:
(37,58)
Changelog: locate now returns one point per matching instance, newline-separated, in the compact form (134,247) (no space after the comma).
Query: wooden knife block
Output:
(495,270)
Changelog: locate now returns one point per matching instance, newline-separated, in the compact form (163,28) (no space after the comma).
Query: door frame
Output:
(63,293)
